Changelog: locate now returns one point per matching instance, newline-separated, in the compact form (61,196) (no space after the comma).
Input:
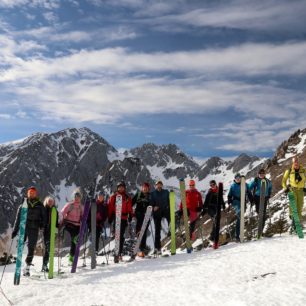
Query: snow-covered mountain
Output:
(59,162)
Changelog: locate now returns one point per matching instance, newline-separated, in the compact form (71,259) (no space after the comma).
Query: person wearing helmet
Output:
(72,214)
(126,214)
(36,219)
(142,200)
(194,205)
(161,209)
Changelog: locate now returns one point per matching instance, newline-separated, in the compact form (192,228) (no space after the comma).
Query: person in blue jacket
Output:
(233,198)
(255,186)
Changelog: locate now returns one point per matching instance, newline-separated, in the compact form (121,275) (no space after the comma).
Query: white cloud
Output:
(47,4)
(5,116)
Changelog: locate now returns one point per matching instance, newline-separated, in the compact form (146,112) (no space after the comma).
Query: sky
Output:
(213,77)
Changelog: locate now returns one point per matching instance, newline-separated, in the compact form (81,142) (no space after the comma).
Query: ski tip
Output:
(173,254)
(189,251)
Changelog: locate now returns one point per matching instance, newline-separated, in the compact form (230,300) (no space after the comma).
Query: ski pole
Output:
(84,257)
(7,257)
(103,242)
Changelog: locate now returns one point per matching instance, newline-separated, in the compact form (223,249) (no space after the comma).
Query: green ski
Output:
(185,215)
(292,203)
(52,242)
(172,218)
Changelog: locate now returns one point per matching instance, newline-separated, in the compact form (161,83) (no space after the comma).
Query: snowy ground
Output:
(267,272)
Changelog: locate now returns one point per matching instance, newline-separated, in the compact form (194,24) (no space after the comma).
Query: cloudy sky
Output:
(214,77)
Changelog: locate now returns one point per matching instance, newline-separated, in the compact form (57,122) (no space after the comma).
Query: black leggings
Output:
(73,230)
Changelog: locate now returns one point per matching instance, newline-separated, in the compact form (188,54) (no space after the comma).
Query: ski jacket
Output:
(234,195)
(255,186)
(36,216)
(296,178)
(142,201)
(211,202)
(161,200)
(72,213)
(194,200)
(127,210)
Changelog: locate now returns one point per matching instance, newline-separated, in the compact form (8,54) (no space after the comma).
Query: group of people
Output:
(69,218)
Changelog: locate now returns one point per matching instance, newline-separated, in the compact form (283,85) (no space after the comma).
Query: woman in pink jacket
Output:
(72,214)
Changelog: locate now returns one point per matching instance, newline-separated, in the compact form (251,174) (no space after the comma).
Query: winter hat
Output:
(237,175)
(191,183)
(145,184)
(159,182)
(101,193)
(32,188)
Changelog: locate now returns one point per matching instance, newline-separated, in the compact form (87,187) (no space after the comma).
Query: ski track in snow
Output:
(266,272)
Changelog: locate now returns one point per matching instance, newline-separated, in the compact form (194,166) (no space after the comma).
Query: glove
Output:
(130,218)
(14,234)
(304,189)
(230,201)
(199,209)
(204,211)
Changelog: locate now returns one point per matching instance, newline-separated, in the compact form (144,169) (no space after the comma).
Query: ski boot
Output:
(70,260)
(141,254)
(45,268)
(26,270)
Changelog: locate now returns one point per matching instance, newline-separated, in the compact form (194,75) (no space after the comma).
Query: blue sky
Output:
(214,77)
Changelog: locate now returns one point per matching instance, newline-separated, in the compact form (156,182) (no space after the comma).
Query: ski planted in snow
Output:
(93,234)
(144,226)
(185,215)
(118,226)
(52,242)
(20,245)
(295,215)
(242,207)
(261,208)
(81,235)
(218,217)
(172,222)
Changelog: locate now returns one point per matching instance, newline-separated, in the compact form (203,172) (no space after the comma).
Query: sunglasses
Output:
(191,185)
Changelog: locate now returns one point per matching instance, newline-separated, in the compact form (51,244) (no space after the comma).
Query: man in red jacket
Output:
(194,205)
(126,213)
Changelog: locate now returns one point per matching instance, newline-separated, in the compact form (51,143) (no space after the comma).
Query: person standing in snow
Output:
(255,187)
(142,200)
(211,205)
(101,217)
(296,177)
(49,203)
(161,209)
(194,205)
(126,214)
(233,197)
(72,214)
(36,219)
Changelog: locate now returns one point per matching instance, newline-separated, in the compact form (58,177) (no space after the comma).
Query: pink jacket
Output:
(72,213)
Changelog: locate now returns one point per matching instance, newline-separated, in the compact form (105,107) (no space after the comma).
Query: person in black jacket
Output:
(142,200)
(161,209)
(36,219)
(211,204)
(49,202)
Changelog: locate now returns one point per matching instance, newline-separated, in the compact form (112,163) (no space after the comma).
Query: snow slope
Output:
(266,272)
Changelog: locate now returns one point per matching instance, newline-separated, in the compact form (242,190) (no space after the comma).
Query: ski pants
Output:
(73,230)
(47,247)
(257,204)
(32,236)
(122,232)
(140,219)
(157,221)
(299,200)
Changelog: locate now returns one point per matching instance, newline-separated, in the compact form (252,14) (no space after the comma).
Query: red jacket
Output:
(126,206)
(194,200)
